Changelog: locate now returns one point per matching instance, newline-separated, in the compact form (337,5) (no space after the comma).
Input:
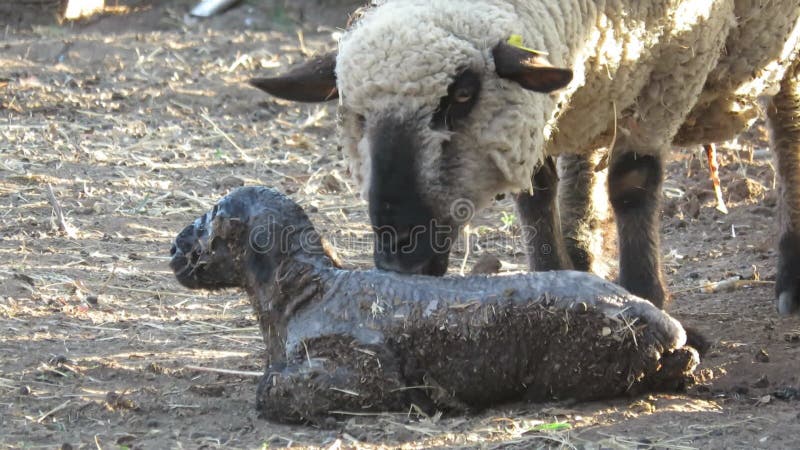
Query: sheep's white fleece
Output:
(688,71)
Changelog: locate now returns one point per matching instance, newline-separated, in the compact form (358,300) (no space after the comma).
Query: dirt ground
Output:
(140,119)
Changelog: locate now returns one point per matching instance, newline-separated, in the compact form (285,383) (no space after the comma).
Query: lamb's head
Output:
(243,240)
(438,114)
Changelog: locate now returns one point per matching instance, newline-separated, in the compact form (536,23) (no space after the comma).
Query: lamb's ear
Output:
(528,68)
(312,81)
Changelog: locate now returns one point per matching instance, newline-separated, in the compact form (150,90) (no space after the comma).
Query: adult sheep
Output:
(439,109)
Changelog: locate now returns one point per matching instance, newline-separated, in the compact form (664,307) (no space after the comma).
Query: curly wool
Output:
(645,74)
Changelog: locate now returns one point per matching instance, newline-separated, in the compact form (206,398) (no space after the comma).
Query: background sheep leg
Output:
(583,215)
(783,117)
(574,199)
(634,188)
(541,224)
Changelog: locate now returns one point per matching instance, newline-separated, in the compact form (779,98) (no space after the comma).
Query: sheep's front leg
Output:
(783,117)
(317,388)
(541,224)
(634,187)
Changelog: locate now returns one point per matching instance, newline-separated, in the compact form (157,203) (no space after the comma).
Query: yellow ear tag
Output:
(516,41)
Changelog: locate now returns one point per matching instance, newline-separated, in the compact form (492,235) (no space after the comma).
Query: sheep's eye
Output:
(464,87)
(462,95)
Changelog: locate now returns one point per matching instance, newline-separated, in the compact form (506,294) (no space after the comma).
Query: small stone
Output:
(762,356)
(642,407)
(58,359)
(745,189)
(762,382)
(92,300)
(331,183)
(24,390)
(100,156)
(705,375)
(606,331)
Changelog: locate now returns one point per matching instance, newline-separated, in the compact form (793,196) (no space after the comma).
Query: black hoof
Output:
(787,302)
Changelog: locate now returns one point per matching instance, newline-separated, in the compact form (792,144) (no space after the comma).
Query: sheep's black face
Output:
(413,235)
(408,237)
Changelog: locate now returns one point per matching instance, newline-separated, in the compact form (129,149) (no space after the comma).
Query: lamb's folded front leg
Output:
(333,376)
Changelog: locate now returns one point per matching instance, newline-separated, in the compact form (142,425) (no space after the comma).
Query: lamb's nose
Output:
(183,243)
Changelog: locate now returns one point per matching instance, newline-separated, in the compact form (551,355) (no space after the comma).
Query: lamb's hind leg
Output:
(541,224)
(783,117)
(634,187)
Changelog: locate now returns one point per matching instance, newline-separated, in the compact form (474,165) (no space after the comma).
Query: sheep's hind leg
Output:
(541,224)
(318,388)
(634,188)
(783,117)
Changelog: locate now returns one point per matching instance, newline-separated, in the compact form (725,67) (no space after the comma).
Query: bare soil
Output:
(140,119)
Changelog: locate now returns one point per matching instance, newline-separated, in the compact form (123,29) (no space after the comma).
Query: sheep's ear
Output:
(312,81)
(528,68)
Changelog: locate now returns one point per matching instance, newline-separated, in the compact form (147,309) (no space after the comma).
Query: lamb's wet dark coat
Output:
(367,340)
